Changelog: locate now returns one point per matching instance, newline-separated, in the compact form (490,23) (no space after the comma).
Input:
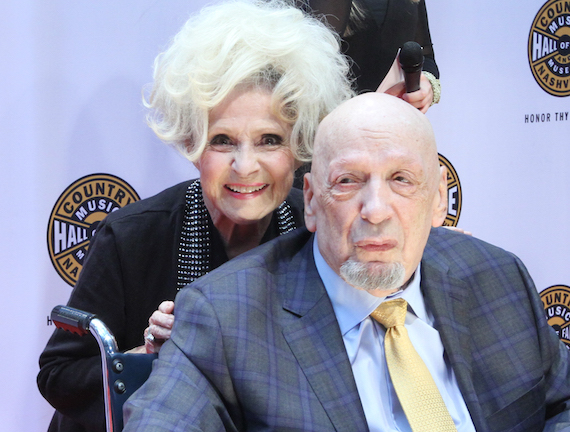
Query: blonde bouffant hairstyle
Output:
(267,44)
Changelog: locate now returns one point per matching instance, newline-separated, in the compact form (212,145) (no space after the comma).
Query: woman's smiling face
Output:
(247,168)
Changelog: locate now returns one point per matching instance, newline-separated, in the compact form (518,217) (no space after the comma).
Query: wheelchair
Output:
(122,373)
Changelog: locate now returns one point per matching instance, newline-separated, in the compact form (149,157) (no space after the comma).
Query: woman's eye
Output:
(345,180)
(271,140)
(221,140)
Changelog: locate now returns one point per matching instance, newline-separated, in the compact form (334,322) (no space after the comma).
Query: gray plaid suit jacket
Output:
(256,345)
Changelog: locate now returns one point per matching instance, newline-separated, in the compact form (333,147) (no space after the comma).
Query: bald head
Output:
(374,191)
(375,116)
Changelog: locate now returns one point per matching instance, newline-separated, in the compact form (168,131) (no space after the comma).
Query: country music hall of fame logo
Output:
(454,194)
(75,217)
(549,47)
(556,302)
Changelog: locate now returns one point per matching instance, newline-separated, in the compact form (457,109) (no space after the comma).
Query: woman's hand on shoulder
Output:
(159,327)
(158,331)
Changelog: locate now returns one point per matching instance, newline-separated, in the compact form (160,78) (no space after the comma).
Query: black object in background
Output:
(411,61)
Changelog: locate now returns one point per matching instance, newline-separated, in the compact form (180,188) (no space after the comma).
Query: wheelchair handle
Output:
(71,319)
(81,322)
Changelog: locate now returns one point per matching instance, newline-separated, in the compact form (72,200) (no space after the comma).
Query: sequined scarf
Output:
(194,248)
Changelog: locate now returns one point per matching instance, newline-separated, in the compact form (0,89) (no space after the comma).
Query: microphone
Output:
(411,60)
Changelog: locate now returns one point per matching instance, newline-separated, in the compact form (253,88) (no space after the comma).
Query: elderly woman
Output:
(240,92)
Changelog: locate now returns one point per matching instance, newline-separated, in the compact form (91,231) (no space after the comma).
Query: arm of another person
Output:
(557,383)
(427,94)
(559,422)
(337,13)
(190,387)
(556,363)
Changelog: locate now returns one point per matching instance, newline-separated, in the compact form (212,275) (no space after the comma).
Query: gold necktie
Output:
(414,385)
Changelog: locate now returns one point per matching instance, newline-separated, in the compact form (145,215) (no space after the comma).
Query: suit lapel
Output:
(316,342)
(448,298)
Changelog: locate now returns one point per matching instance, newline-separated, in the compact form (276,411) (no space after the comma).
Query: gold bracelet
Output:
(435,86)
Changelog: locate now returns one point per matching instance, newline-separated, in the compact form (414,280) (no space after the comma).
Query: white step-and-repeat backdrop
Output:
(75,146)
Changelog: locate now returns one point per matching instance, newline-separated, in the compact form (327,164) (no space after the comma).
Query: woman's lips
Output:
(241,190)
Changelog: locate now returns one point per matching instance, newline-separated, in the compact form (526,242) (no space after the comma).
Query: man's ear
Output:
(440,200)
(309,199)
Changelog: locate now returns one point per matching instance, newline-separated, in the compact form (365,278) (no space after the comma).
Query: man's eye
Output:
(348,181)
(221,140)
(401,179)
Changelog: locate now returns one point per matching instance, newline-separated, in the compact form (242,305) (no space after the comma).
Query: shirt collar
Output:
(351,305)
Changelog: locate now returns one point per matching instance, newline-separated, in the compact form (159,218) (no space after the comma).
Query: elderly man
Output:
(376,322)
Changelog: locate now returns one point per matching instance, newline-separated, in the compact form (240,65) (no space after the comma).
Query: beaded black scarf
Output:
(194,249)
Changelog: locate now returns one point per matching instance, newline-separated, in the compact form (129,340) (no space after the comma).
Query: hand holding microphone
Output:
(419,90)
(406,80)
(411,61)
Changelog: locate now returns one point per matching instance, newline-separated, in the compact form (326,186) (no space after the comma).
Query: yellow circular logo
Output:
(75,217)
(549,47)
(454,195)
(556,302)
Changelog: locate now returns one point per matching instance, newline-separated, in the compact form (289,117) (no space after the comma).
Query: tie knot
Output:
(391,313)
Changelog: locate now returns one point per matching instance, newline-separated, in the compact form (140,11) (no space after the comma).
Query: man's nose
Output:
(376,203)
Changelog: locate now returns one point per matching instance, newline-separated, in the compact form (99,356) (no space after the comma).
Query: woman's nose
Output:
(246,161)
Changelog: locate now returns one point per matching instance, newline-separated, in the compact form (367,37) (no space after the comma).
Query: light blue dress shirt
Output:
(364,341)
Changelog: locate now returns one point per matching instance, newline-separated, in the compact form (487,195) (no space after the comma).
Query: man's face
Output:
(372,197)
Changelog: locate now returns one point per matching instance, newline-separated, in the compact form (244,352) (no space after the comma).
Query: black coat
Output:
(389,25)
(131,267)
(372,37)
